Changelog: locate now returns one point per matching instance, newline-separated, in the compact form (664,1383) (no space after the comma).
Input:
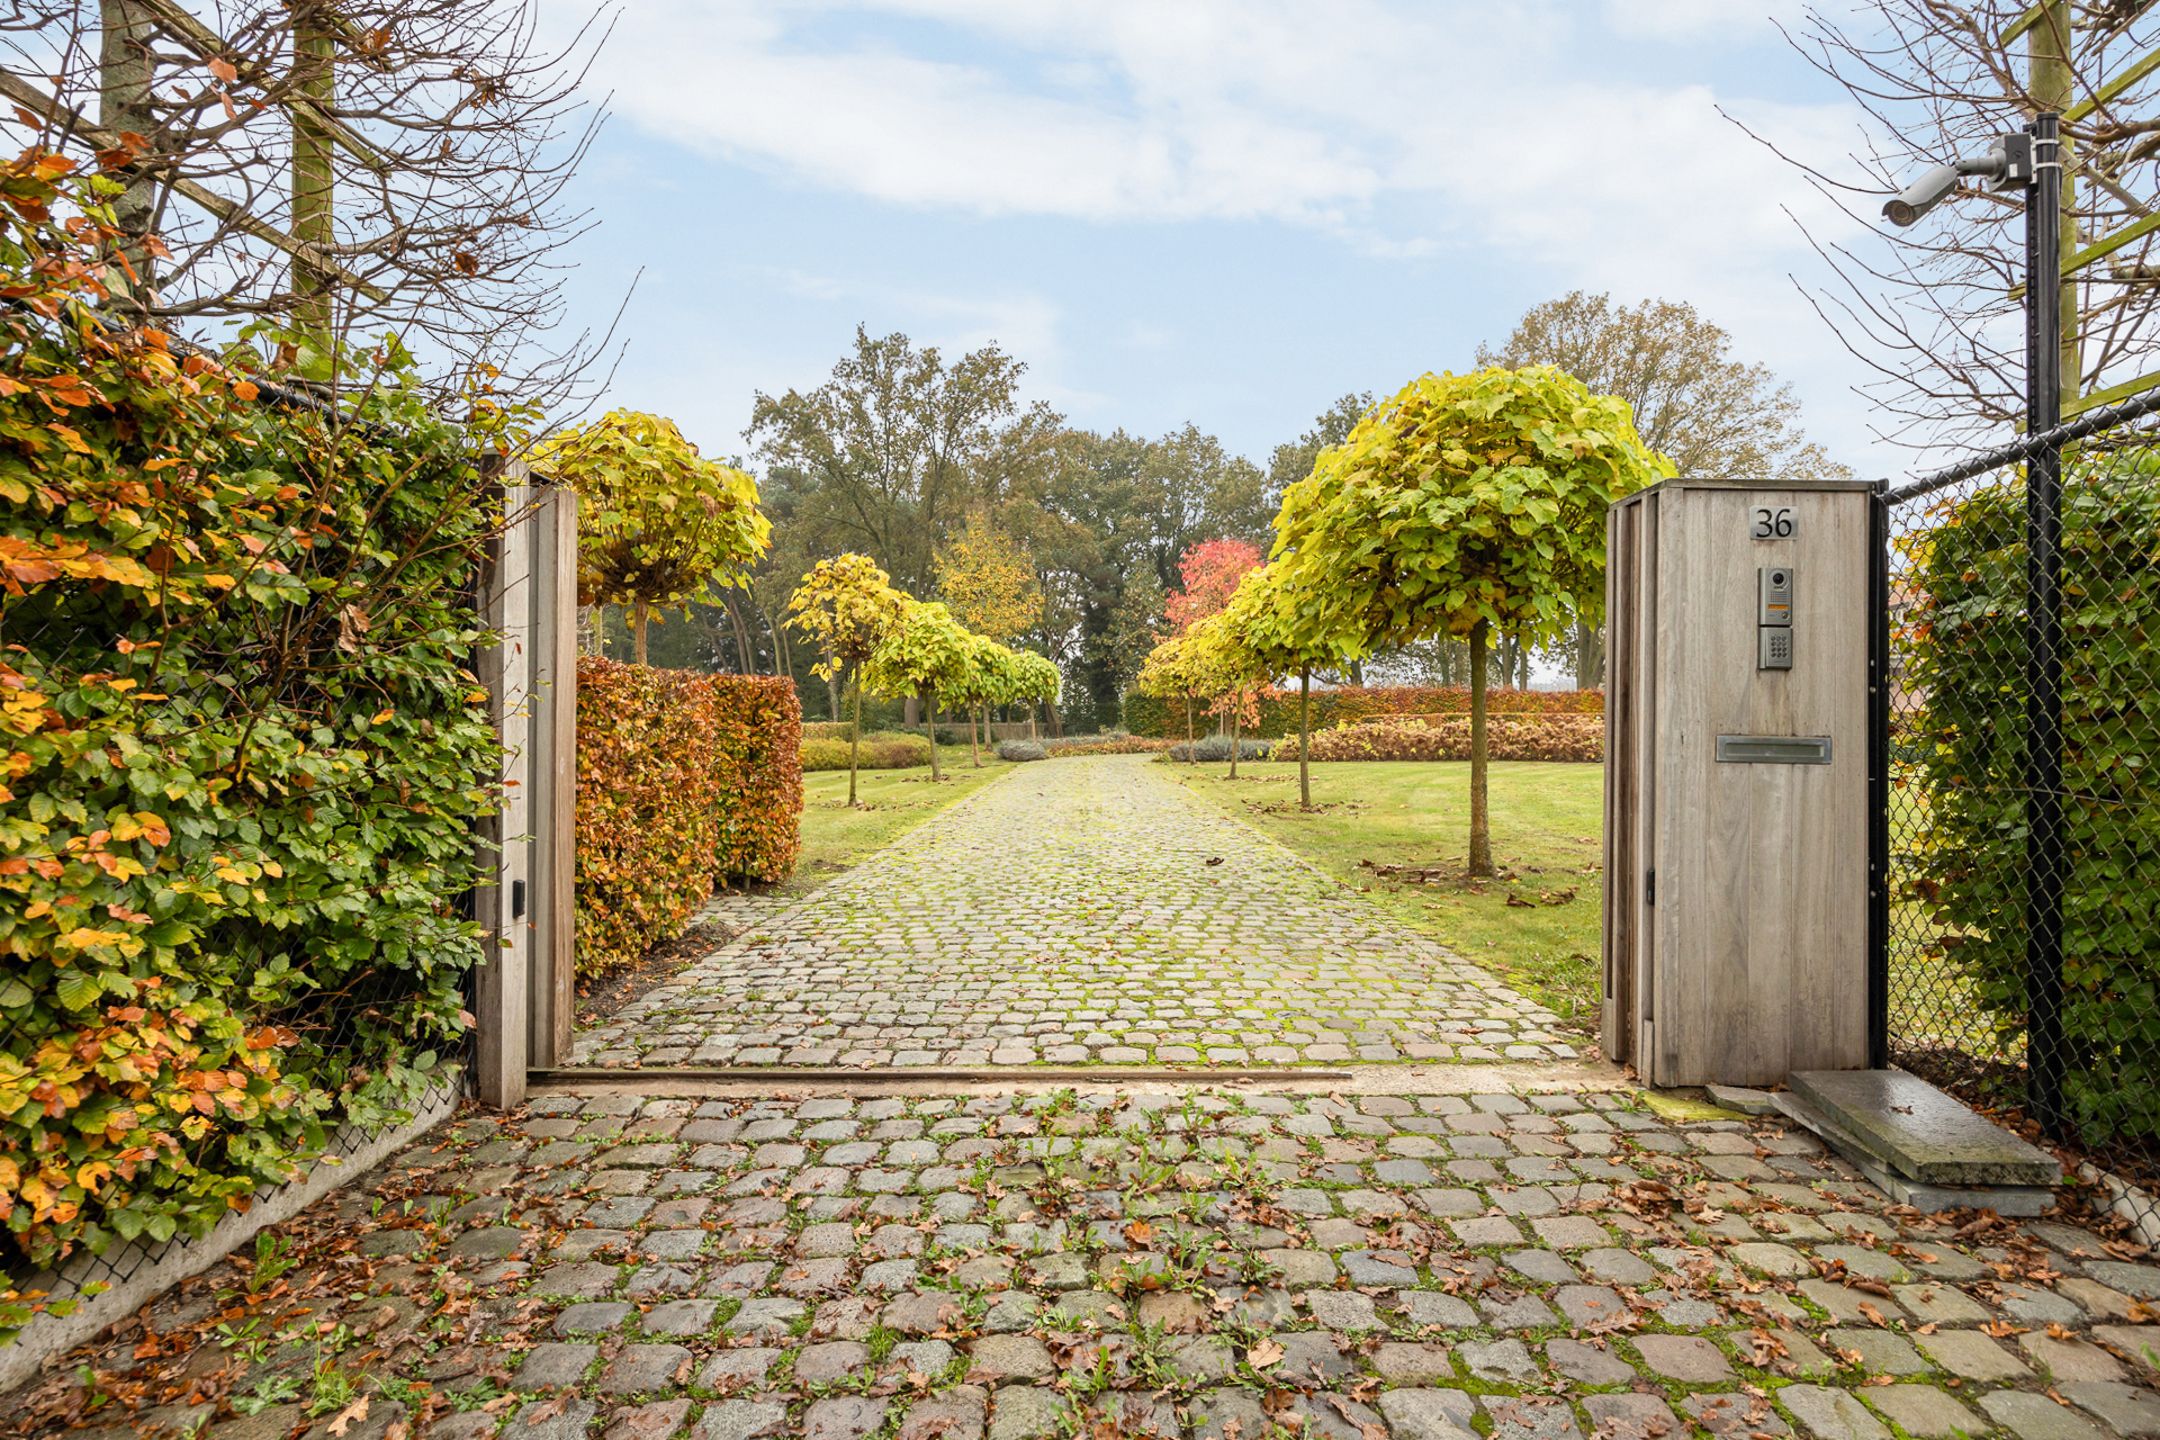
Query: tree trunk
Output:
(124,77)
(832,700)
(1192,741)
(1033,734)
(974,750)
(1480,825)
(910,712)
(1589,656)
(1236,705)
(1357,672)
(1304,737)
(930,729)
(313,219)
(640,616)
(745,648)
(854,745)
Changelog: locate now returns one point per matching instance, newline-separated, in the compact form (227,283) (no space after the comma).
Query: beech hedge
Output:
(243,755)
(1507,737)
(1344,705)
(685,781)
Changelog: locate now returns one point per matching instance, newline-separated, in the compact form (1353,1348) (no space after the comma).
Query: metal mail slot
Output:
(1773,749)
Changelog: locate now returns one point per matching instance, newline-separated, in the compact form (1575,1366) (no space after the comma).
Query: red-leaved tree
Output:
(1211,571)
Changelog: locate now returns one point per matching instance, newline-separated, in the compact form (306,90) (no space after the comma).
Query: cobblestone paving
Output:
(1078,911)
(1178,1263)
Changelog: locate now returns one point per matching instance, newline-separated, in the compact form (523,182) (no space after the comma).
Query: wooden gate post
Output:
(501,1002)
(553,771)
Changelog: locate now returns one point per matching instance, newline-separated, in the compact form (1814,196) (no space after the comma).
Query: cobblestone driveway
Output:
(1133,1262)
(1077,911)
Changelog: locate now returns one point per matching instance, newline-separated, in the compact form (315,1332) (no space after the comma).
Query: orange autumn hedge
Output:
(685,780)
(1554,736)
(1348,704)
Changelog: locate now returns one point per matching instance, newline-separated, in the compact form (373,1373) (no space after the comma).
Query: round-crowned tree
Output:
(926,654)
(847,605)
(658,524)
(1280,614)
(1229,673)
(1039,683)
(1170,672)
(1461,504)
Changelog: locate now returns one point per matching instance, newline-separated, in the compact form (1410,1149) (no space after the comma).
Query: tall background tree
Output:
(333,169)
(1695,403)
(1116,515)
(898,447)
(987,578)
(1209,574)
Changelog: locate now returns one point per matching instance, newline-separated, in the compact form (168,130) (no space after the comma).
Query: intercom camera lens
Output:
(1777,577)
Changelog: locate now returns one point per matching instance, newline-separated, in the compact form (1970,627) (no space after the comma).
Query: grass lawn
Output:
(1536,925)
(893,802)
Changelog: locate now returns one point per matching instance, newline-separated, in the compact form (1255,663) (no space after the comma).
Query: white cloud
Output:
(1695,20)
(1215,109)
(1409,131)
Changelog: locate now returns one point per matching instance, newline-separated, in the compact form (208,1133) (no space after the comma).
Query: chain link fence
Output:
(2023,809)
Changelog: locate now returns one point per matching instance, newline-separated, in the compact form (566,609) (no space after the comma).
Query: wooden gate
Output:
(523,996)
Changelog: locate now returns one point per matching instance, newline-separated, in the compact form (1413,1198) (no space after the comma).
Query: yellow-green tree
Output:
(926,654)
(1038,683)
(987,579)
(1463,504)
(658,523)
(1170,673)
(1229,673)
(993,677)
(847,605)
(1282,618)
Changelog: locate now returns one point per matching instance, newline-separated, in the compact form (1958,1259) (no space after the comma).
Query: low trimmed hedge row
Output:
(1149,715)
(1104,745)
(881,750)
(684,780)
(1507,737)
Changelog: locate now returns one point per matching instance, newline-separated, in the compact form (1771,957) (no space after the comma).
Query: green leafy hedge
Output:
(241,758)
(1965,640)
(1150,715)
(684,780)
(880,750)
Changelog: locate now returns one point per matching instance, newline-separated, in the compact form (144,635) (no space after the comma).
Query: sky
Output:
(1227,212)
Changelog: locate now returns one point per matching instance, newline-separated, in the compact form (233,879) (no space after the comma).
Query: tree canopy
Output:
(988,579)
(1462,505)
(1693,402)
(658,523)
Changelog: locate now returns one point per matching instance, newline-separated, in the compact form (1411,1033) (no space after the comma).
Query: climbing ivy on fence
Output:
(241,755)
(684,779)
(1965,644)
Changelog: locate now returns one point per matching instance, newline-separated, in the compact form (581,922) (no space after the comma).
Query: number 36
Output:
(1773,523)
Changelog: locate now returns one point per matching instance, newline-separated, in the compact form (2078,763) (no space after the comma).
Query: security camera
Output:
(1923,195)
(2007,165)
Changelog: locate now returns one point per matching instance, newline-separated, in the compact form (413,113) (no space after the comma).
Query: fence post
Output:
(1879,682)
(2043,631)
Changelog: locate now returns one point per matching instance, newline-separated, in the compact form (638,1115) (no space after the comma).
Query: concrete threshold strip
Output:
(1030,1079)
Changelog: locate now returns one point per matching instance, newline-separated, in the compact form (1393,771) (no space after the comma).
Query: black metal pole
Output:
(2043,630)
(1878,971)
